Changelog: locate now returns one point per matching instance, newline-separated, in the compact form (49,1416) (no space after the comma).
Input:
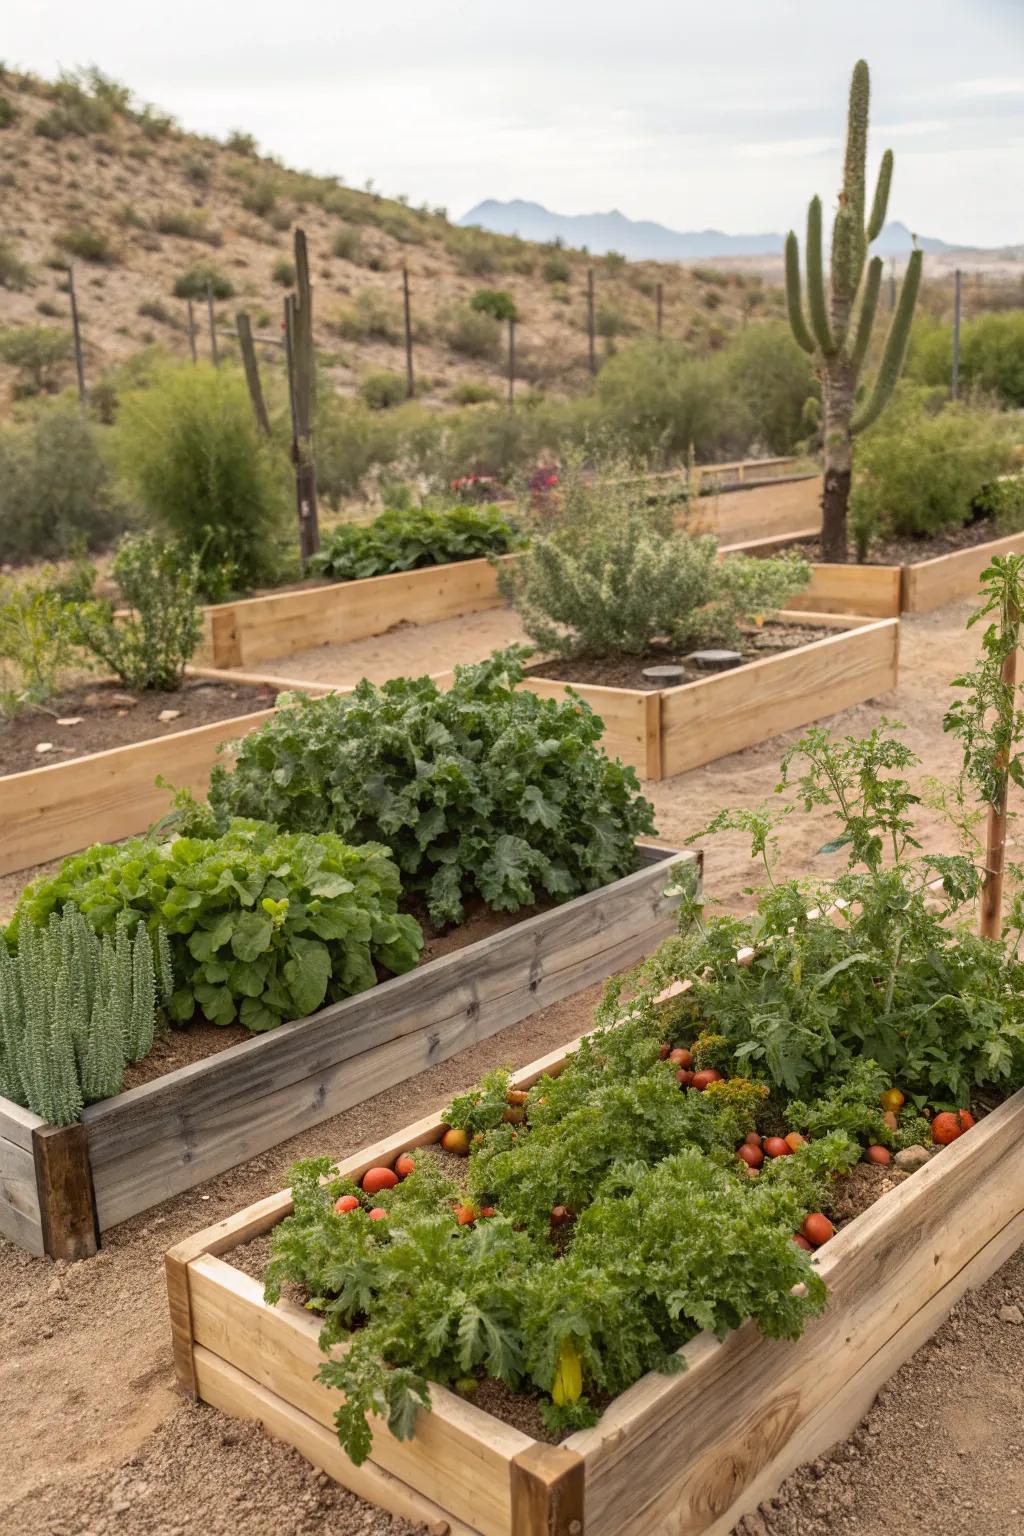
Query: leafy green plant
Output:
(481,790)
(188,449)
(37,641)
(263,926)
(405,539)
(76,111)
(1003,501)
(284,273)
(613,580)
(55,487)
(991,355)
(149,646)
(383,389)
(494,302)
(471,332)
(74,1008)
(201,278)
(37,352)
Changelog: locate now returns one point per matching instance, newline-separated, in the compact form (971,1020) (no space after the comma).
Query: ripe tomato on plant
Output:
(950,1125)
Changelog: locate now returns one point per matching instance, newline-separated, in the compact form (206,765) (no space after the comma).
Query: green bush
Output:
(240,143)
(37,642)
(383,389)
(284,273)
(14,274)
(480,790)
(494,302)
(184,225)
(991,355)
(555,268)
(774,379)
(194,283)
(347,245)
(37,352)
(260,197)
(662,401)
(55,490)
(918,470)
(8,112)
(150,646)
(473,334)
(1003,501)
(188,450)
(88,245)
(351,441)
(470,392)
(75,112)
(371,317)
(74,1008)
(613,579)
(408,538)
(263,926)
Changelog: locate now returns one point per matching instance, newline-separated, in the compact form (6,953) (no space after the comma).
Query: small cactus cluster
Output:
(74,1008)
(838,342)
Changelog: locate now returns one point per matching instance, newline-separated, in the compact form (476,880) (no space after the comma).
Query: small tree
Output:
(838,347)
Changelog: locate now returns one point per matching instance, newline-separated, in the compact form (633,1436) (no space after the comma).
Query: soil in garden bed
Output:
(908,551)
(627,671)
(109,715)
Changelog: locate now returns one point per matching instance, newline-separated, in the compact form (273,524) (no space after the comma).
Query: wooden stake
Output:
(214,351)
(76,335)
(954,383)
(547,1492)
(658,305)
(591,355)
(511,360)
(67,1203)
(995,839)
(298,314)
(252,372)
(410,382)
(191,331)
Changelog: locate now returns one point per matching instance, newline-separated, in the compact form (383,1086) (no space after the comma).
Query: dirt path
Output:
(96,1443)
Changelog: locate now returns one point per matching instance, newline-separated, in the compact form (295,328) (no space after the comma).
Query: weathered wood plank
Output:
(17,1124)
(547,1492)
(459,1457)
(232,1392)
(64,1184)
(871,590)
(723,714)
(742,1399)
(930,583)
(108,795)
(20,1217)
(168,1135)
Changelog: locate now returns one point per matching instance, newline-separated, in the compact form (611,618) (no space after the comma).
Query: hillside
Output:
(137,203)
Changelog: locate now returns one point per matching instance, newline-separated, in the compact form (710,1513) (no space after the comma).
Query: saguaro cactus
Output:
(838,346)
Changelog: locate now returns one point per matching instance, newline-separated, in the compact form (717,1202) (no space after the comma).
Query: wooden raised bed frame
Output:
(61,1188)
(712,1442)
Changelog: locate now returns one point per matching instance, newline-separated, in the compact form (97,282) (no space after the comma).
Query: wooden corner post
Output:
(547,1492)
(67,1204)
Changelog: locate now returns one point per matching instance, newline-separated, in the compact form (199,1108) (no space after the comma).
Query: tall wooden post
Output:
(252,372)
(298,318)
(76,335)
(659,307)
(995,832)
(591,355)
(954,383)
(410,382)
(214,350)
(511,360)
(192,331)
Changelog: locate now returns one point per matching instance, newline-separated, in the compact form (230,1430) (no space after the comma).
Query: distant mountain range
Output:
(643,240)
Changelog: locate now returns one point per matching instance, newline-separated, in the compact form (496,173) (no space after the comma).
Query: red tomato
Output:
(488,1210)
(561,1215)
(752,1156)
(465,1215)
(663,1051)
(879,1155)
(776,1147)
(404,1165)
(704,1079)
(346,1203)
(949,1125)
(802,1242)
(514,1115)
(817,1229)
(684,1077)
(681,1057)
(456,1141)
(752,1139)
(378,1213)
(376,1179)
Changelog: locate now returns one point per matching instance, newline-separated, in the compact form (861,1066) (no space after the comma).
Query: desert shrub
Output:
(75,112)
(88,245)
(36,642)
(240,143)
(197,171)
(475,253)
(48,309)
(284,273)
(188,450)
(1003,501)
(185,225)
(555,268)
(470,392)
(55,490)
(150,646)
(610,322)
(37,352)
(347,245)
(8,112)
(14,274)
(383,389)
(614,578)
(194,283)
(991,355)
(663,401)
(494,302)
(407,538)
(918,470)
(74,1008)
(473,334)
(372,316)
(155,124)
(350,441)
(773,379)
(480,790)
(260,197)
(263,926)
(156,309)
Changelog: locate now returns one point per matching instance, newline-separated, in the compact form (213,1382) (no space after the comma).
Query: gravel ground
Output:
(96,1442)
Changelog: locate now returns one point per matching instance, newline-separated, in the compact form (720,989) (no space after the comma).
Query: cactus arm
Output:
(794,303)
(868,309)
(857,141)
(895,347)
(816,279)
(881,203)
(847,263)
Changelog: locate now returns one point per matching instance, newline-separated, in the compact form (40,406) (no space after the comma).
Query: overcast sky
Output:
(723,113)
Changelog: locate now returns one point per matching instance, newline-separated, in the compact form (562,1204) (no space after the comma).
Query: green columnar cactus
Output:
(839,347)
(74,1008)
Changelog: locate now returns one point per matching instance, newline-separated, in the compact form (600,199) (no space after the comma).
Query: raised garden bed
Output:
(755,510)
(60,1189)
(712,1442)
(913,586)
(665,731)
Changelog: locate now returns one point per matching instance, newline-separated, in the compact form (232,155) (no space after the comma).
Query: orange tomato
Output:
(514,1115)
(794,1141)
(457,1142)
(465,1215)
(346,1203)
(376,1179)
(404,1165)
(892,1099)
(949,1125)
(704,1079)
(378,1213)
(516,1096)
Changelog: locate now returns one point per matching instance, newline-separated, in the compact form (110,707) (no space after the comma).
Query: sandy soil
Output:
(96,1442)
